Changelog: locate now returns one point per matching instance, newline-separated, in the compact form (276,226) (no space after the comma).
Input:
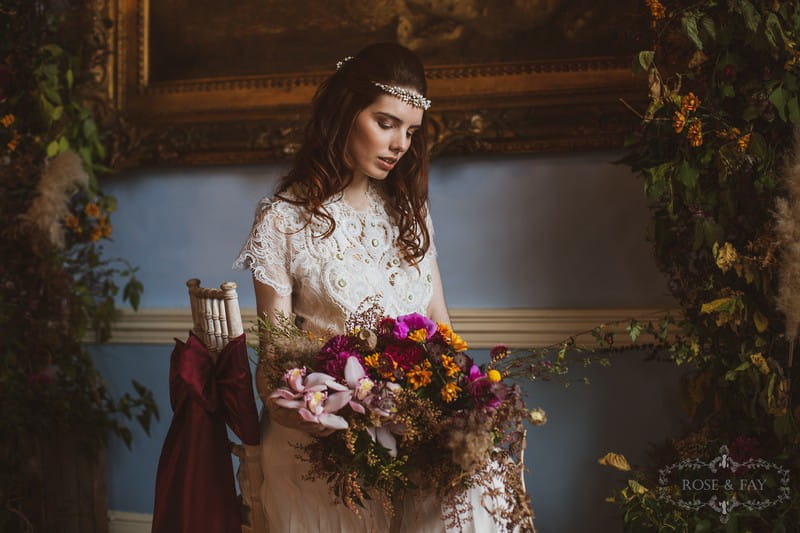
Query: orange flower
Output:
(678,121)
(452,338)
(743,143)
(107,229)
(72,222)
(450,392)
(97,232)
(419,376)
(450,368)
(689,103)
(657,9)
(13,143)
(7,120)
(695,133)
(91,210)
(418,335)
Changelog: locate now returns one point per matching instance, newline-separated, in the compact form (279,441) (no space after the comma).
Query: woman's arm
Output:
(437,309)
(271,304)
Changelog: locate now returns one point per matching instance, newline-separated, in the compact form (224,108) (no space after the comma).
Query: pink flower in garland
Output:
(414,322)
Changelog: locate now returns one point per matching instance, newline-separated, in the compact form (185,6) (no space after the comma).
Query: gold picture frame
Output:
(522,106)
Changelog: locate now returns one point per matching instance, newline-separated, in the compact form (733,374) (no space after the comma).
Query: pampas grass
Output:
(787,225)
(61,176)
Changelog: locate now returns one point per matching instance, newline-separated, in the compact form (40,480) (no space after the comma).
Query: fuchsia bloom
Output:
(407,323)
(485,392)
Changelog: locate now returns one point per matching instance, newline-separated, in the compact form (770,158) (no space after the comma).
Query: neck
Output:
(356,193)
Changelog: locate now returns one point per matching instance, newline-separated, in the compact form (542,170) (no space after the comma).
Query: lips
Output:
(387,163)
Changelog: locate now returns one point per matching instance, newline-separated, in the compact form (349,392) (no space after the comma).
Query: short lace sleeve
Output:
(267,250)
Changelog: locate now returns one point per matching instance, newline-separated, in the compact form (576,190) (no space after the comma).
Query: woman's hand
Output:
(291,418)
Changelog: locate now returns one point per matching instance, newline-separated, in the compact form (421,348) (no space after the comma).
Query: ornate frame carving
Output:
(545,106)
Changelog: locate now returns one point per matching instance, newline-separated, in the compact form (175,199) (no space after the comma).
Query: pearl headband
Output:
(407,96)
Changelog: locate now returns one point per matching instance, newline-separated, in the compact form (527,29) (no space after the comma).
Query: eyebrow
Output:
(396,119)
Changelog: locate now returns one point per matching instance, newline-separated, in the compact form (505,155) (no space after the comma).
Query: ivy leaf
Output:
(760,322)
(751,16)
(778,98)
(707,23)
(794,110)
(689,23)
(774,32)
(52,149)
(644,60)
(687,175)
(727,90)
(634,330)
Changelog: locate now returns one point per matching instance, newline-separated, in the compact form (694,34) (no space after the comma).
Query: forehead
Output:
(391,105)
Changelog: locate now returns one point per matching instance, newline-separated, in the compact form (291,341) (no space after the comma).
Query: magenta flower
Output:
(407,323)
(333,356)
(484,392)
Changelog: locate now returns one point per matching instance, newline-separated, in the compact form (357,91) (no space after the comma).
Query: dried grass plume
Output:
(61,177)
(787,224)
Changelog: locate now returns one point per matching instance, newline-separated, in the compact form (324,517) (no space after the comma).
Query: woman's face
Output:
(381,135)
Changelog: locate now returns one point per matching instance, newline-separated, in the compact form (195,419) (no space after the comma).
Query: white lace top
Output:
(329,277)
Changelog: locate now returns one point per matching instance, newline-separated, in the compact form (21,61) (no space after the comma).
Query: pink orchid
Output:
(362,387)
(316,397)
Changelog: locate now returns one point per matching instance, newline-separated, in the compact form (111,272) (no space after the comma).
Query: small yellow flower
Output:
(689,103)
(695,133)
(419,376)
(743,143)
(450,367)
(71,222)
(97,232)
(91,210)
(616,460)
(418,335)
(726,257)
(678,121)
(7,120)
(450,392)
(494,376)
(759,362)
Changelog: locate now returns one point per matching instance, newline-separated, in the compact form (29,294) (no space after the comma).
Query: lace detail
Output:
(329,277)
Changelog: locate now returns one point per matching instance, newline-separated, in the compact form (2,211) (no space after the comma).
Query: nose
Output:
(399,143)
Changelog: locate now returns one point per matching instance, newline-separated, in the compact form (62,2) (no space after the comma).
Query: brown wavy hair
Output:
(321,168)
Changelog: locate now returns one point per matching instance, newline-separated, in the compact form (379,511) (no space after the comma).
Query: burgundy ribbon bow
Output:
(195,489)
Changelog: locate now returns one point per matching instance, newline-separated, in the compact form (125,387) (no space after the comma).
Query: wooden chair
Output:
(216,320)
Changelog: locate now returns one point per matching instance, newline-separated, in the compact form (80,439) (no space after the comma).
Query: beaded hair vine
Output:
(407,96)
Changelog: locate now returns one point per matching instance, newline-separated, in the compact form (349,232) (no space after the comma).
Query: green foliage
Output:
(52,294)
(723,105)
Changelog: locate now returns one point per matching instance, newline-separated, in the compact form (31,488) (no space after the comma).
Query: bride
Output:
(350,220)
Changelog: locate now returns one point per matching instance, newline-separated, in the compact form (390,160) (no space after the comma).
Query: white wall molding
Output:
(482,328)
(125,522)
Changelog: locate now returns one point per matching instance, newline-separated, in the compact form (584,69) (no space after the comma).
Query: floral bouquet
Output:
(411,410)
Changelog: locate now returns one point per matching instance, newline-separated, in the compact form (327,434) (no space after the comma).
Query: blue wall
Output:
(527,232)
